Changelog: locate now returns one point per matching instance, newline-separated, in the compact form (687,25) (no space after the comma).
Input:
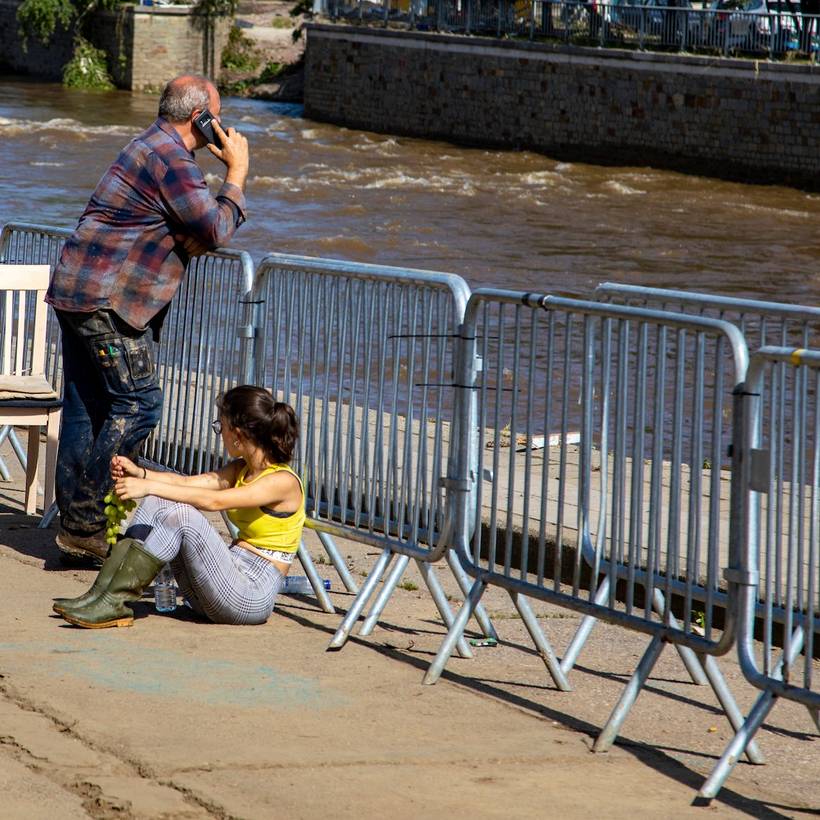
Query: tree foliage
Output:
(87,68)
(41,18)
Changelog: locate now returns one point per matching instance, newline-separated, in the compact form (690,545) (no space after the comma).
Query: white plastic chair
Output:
(26,397)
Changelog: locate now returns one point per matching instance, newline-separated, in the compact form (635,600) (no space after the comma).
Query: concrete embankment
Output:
(745,119)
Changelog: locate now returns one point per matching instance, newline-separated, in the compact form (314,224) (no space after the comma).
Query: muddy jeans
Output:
(111,402)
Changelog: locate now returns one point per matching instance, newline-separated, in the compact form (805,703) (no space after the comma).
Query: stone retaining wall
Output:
(745,119)
(147,45)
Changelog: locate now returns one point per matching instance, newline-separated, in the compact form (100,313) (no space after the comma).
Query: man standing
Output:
(111,289)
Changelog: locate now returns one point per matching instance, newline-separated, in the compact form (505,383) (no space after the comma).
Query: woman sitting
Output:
(263,498)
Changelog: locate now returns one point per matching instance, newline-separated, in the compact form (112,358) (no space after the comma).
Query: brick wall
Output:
(147,45)
(743,119)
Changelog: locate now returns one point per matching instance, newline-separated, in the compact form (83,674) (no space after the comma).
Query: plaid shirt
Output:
(126,254)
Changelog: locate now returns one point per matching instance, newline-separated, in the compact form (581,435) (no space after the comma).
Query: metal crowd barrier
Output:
(365,355)
(779,576)
(641,489)
(760,322)
(613,459)
(204,349)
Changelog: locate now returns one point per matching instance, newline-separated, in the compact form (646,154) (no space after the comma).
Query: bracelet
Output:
(144,473)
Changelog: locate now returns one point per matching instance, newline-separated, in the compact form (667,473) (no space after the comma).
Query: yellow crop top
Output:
(264,528)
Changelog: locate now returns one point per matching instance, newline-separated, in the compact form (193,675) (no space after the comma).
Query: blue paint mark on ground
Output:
(172,673)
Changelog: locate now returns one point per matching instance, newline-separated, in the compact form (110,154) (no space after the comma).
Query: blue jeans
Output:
(111,402)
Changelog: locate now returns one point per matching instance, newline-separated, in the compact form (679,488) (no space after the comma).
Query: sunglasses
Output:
(216,426)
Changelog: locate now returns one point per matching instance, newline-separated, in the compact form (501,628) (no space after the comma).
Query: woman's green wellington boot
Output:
(136,570)
(101,581)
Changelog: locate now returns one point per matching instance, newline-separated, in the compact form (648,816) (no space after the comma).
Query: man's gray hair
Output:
(184,95)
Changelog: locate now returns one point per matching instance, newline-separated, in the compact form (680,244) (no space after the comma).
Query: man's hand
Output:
(234,153)
(193,247)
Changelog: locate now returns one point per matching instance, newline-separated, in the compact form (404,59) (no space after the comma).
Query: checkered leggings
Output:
(229,585)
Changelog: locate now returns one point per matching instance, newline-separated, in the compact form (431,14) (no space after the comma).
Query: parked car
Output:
(669,20)
(754,25)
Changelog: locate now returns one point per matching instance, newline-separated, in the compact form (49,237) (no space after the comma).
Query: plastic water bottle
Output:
(165,591)
(300,585)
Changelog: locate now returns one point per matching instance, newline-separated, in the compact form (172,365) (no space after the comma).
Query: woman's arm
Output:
(122,467)
(269,491)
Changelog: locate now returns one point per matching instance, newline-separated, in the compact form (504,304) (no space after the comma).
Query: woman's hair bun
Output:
(270,424)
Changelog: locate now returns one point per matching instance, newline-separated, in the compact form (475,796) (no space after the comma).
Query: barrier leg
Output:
(5,475)
(463,579)
(315,581)
(583,631)
(456,631)
(760,710)
(48,516)
(436,592)
(689,658)
(746,732)
(729,705)
(360,601)
(18,448)
(541,643)
(338,562)
(619,714)
(443,606)
(390,583)
(577,643)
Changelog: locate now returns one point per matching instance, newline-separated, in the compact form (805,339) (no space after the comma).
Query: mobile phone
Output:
(204,124)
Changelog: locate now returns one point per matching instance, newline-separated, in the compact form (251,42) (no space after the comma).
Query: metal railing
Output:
(761,323)
(635,488)
(365,355)
(667,27)
(779,576)
(204,350)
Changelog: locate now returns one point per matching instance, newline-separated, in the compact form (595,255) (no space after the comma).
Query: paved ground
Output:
(179,718)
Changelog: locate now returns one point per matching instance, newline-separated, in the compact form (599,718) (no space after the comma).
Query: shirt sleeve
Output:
(185,195)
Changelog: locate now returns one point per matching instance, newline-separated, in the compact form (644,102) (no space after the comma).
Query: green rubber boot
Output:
(136,570)
(100,582)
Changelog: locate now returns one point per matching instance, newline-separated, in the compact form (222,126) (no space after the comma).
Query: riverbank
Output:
(268,63)
(175,717)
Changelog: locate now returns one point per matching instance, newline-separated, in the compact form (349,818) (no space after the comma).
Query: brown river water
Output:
(501,218)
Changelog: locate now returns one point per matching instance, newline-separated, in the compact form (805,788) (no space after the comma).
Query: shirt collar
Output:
(169,129)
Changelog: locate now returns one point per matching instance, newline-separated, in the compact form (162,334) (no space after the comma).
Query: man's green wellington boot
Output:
(136,570)
(100,582)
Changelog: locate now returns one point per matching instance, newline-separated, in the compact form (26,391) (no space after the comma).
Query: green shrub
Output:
(87,68)
(239,53)
(271,72)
